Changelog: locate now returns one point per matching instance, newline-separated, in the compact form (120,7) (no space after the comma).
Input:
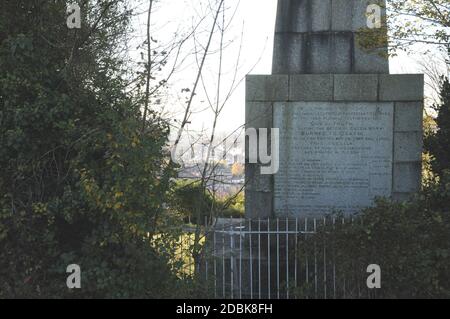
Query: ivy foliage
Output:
(81,181)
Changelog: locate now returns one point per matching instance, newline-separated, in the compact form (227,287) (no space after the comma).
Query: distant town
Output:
(226,164)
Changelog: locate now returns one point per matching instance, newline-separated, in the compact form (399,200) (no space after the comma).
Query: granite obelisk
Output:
(349,130)
(323,36)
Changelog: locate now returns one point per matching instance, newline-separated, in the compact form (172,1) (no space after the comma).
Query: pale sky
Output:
(254,21)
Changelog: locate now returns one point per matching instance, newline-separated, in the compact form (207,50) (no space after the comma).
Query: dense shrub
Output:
(192,201)
(409,241)
(82,181)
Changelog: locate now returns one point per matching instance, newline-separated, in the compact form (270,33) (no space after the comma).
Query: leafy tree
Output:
(81,182)
(438,143)
(420,21)
(237,169)
(410,22)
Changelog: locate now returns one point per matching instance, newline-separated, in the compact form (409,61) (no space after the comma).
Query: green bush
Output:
(192,202)
(82,181)
(409,241)
(234,206)
(437,143)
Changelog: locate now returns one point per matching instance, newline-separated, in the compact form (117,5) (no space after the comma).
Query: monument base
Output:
(345,139)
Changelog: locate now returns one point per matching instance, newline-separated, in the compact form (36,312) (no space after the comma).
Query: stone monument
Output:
(348,130)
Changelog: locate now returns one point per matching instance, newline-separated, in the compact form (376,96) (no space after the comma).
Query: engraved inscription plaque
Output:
(333,156)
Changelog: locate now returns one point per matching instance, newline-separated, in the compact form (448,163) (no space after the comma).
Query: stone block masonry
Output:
(344,140)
